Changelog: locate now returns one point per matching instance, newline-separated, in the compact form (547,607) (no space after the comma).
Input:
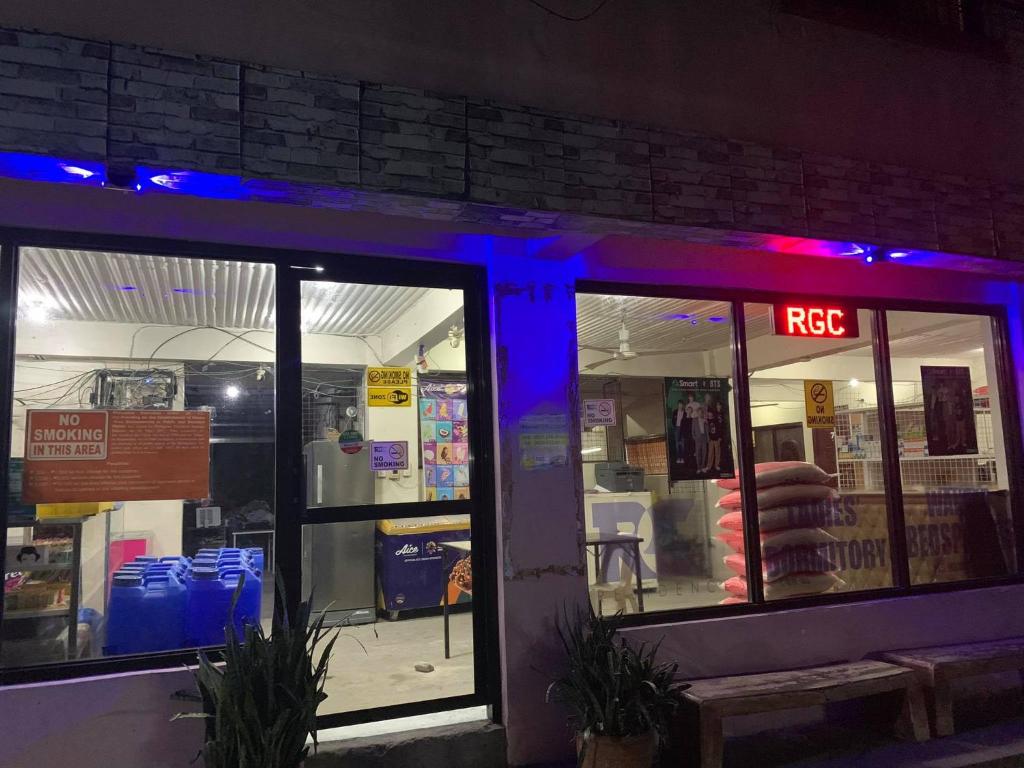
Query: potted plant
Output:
(620,698)
(260,704)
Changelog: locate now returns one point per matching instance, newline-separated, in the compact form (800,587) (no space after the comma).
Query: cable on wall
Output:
(593,12)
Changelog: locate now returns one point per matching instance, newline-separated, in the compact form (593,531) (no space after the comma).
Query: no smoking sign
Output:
(821,410)
(599,413)
(390,455)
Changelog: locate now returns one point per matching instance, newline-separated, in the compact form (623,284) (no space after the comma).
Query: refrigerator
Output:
(338,558)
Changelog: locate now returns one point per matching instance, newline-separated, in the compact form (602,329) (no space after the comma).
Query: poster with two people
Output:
(697,428)
(949,410)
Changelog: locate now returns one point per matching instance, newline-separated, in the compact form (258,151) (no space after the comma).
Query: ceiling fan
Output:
(623,352)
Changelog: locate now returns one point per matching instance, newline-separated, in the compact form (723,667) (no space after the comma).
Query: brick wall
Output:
(131,105)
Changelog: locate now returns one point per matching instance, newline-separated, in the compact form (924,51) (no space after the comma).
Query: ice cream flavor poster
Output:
(444,436)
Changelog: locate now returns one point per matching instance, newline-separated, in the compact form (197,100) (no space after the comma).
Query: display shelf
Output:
(69,610)
(957,457)
(24,567)
(37,613)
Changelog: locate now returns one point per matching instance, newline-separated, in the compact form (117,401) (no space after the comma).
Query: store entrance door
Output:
(384,430)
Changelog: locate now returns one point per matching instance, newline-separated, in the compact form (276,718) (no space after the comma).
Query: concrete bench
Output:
(938,666)
(720,697)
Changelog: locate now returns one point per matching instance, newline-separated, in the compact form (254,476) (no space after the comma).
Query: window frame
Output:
(1005,380)
(338,266)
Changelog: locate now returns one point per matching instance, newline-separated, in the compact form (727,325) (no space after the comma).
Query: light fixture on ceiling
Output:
(854,382)
(232,391)
(37,309)
(455,335)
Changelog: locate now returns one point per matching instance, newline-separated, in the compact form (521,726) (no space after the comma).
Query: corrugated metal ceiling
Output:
(660,324)
(144,289)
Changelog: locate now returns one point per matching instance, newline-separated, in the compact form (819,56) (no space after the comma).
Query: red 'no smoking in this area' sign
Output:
(66,436)
(81,456)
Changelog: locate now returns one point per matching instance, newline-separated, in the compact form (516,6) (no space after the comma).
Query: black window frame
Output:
(293,265)
(1006,383)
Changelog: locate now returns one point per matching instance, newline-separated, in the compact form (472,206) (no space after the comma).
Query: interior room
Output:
(650,472)
(165,335)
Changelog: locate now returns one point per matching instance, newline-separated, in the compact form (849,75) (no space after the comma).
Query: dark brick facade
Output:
(130,105)
(412,141)
(300,126)
(535,159)
(173,109)
(53,95)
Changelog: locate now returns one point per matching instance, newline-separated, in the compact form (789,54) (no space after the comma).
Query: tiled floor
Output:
(374,665)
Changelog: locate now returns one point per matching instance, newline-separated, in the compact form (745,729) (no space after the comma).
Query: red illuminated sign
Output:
(815,321)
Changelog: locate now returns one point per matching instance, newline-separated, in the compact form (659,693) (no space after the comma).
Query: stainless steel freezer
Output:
(338,558)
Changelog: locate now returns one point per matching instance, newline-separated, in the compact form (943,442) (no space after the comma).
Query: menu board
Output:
(444,438)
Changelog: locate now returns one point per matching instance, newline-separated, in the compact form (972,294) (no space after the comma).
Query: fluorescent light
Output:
(37,308)
(585,451)
(37,314)
(854,382)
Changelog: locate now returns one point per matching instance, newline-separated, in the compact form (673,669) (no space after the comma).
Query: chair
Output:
(622,592)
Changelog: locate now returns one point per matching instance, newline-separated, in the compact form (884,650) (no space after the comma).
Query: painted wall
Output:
(739,68)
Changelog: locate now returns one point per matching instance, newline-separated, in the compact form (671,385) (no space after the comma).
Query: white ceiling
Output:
(659,324)
(144,289)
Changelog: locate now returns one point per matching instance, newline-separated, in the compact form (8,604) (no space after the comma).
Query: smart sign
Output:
(816,321)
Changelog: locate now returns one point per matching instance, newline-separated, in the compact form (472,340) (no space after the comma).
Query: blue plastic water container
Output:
(162,616)
(126,595)
(208,604)
(257,557)
(248,609)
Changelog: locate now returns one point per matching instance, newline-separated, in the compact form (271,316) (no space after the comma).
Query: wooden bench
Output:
(720,697)
(938,666)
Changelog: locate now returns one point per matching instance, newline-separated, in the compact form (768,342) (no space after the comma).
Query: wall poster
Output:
(949,410)
(697,428)
(444,438)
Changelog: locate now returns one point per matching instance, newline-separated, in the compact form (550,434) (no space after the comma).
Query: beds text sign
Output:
(815,321)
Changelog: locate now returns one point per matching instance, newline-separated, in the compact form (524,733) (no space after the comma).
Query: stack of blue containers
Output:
(166,603)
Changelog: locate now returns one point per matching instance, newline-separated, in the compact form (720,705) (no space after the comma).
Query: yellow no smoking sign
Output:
(821,408)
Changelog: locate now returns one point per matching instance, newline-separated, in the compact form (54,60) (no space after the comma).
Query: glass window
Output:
(384,380)
(656,406)
(952,457)
(143,437)
(822,509)
(423,588)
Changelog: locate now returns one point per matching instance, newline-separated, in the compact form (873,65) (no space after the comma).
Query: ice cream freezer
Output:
(410,562)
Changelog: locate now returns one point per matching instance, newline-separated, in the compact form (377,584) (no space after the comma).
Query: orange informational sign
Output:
(79,456)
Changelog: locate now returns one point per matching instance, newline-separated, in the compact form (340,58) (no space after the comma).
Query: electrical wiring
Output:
(373,352)
(131,347)
(55,384)
(66,392)
(238,336)
(593,12)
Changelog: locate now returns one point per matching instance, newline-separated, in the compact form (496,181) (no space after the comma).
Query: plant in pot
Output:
(260,704)
(620,698)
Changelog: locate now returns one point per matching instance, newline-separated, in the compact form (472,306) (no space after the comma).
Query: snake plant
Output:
(260,704)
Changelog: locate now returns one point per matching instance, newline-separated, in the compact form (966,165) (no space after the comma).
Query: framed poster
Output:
(949,410)
(697,428)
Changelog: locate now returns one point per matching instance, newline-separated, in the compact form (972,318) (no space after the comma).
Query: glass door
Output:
(387,466)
